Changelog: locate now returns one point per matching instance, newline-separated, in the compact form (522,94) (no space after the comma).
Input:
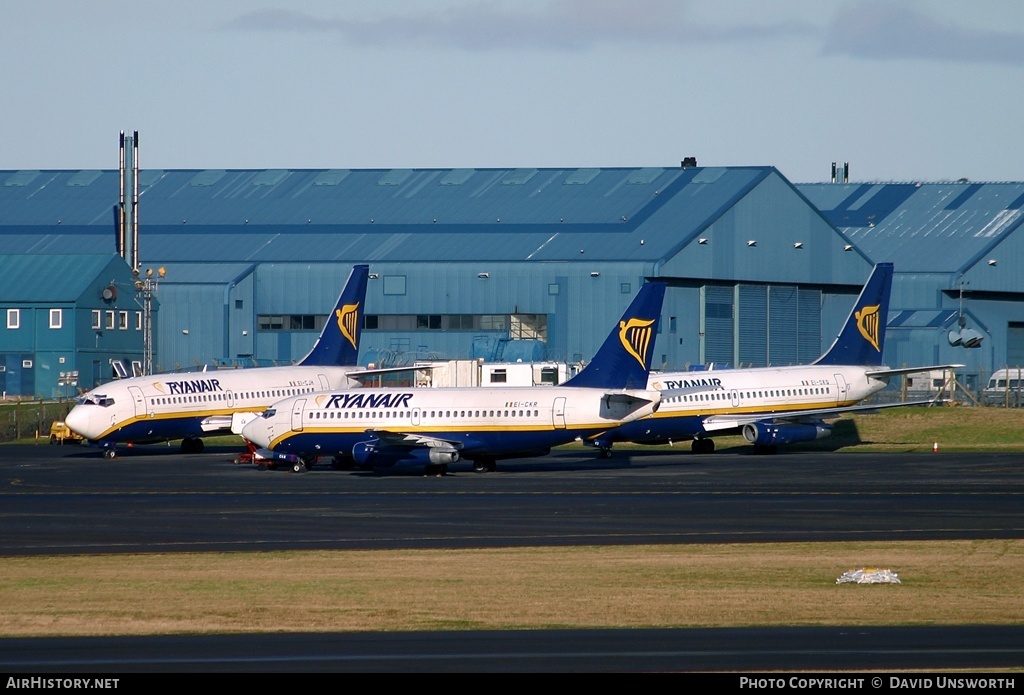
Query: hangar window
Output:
(97,319)
(122,321)
(110,321)
(14,318)
(56,318)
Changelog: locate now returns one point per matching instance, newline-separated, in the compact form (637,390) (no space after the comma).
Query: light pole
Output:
(145,290)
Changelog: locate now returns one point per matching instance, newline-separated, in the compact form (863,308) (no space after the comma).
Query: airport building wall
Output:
(526,263)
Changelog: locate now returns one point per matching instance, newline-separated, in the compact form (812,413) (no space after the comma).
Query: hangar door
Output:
(750,325)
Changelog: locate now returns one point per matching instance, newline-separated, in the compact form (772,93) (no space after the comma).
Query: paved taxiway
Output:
(60,500)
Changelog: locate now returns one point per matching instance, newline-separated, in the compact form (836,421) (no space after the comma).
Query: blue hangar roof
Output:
(248,216)
(923,227)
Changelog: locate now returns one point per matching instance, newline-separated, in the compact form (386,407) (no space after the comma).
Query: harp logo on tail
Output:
(868,324)
(635,335)
(348,319)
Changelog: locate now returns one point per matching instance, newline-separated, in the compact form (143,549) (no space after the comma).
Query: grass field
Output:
(947,582)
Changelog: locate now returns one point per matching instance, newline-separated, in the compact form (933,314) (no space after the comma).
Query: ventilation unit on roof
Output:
(688,162)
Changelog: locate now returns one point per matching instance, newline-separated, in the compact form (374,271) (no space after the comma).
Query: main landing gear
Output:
(702,446)
(484,465)
(192,445)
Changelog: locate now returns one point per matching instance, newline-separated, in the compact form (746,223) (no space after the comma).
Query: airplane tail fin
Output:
(338,344)
(623,361)
(862,338)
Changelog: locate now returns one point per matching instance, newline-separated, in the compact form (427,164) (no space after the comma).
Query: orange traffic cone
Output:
(935,447)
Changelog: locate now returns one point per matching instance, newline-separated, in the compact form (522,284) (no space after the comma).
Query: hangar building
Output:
(507,264)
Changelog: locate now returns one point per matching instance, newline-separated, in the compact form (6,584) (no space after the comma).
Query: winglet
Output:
(624,359)
(338,344)
(863,336)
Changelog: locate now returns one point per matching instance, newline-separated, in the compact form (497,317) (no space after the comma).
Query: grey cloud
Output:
(564,25)
(890,31)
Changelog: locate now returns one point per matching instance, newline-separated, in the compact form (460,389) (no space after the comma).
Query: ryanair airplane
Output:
(192,405)
(770,406)
(430,428)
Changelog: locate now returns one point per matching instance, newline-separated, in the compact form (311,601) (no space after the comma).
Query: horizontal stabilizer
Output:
(882,373)
(360,373)
(634,397)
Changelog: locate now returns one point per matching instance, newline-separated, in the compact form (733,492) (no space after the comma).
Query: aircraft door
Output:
(415,417)
(734,395)
(139,400)
(229,396)
(558,413)
(842,389)
(297,409)
(324,384)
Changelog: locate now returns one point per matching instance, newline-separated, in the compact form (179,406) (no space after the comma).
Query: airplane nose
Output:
(78,421)
(257,432)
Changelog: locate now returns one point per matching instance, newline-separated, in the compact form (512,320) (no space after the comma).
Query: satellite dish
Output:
(109,293)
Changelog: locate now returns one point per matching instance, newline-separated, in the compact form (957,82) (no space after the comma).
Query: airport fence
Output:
(21,419)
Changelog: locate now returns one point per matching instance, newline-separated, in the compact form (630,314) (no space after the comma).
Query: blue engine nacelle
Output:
(373,455)
(765,434)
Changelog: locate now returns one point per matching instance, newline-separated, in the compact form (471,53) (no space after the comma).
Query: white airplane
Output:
(770,406)
(430,428)
(192,405)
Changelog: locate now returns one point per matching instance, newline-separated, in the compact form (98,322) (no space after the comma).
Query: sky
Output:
(902,90)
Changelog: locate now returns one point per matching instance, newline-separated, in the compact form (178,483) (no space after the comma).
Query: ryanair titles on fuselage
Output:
(368,400)
(195,386)
(713,383)
(387,400)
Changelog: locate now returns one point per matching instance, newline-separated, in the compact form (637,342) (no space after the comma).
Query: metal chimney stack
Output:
(128,219)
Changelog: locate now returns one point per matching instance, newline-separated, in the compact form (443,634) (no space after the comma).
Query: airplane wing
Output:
(216,423)
(725,422)
(407,439)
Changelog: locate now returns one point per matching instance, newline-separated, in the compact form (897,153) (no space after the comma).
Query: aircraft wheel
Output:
(605,453)
(703,446)
(109,453)
(298,467)
(765,449)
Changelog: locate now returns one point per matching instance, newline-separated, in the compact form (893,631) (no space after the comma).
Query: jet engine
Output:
(767,434)
(373,455)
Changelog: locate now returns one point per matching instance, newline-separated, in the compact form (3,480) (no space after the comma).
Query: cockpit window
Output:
(269,413)
(96,399)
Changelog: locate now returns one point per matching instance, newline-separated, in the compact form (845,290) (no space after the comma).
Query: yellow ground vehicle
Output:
(60,432)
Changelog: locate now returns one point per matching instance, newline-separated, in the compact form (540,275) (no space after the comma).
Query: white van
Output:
(1004,386)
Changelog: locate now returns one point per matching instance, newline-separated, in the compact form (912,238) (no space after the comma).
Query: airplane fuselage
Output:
(487,423)
(191,404)
(735,392)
